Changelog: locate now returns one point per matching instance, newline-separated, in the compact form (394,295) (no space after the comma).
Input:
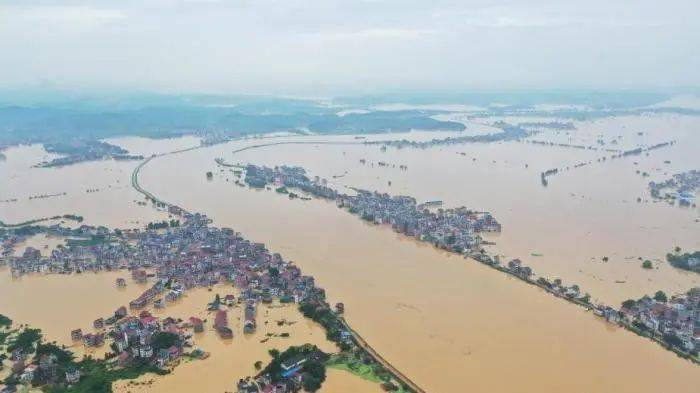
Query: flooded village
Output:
(676,325)
(140,257)
(182,257)
(453,229)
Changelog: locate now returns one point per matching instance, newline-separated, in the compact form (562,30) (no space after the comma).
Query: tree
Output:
(273,352)
(315,368)
(629,303)
(647,264)
(586,298)
(5,321)
(673,340)
(310,383)
(62,356)
(660,296)
(605,259)
(258,365)
(25,340)
(162,340)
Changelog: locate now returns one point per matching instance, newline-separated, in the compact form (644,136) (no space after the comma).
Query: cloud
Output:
(301,46)
(373,34)
(66,14)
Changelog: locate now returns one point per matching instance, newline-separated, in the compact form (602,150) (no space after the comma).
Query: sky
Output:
(320,47)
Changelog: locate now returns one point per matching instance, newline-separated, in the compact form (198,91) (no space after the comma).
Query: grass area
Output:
(372,372)
(359,369)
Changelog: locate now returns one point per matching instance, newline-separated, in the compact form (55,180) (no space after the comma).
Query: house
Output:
(197,324)
(18,367)
(149,322)
(224,332)
(120,313)
(293,362)
(247,386)
(123,358)
(76,334)
(93,340)
(145,337)
(99,323)
(174,352)
(345,336)
(275,388)
(47,364)
(72,375)
(163,357)
(229,300)
(17,355)
(121,344)
(221,324)
(146,352)
(138,303)
(221,318)
(28,374)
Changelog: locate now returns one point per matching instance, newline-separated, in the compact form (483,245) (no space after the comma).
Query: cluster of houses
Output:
(286,378)
(676,320)
(516,268)
(135,337)
(39,370)
(683,184)
(193,254)
(452,229)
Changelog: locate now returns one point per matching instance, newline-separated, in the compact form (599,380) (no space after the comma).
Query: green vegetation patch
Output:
(353,366)
(5,321)
(686,261)
(307,359)
(97,376)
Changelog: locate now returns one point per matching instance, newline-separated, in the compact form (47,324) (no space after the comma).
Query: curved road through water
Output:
(357,338)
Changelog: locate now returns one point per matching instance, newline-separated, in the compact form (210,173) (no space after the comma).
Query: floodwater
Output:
(452,324)
(584,214)
(57,304)
(230,360)
(99,191)
(35,300)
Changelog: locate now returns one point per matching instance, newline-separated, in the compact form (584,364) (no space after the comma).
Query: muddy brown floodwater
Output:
(450,324)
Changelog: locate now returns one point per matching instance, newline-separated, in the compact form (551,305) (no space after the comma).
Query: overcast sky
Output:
(348,46)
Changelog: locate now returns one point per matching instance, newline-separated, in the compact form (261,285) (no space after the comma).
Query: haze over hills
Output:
(50,116)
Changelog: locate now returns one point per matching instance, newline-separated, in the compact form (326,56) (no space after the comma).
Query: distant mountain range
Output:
(52,117)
